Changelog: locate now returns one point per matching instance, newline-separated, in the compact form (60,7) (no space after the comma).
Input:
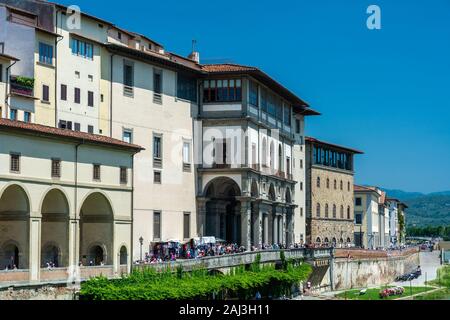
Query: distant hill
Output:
(431,209)
(402,195)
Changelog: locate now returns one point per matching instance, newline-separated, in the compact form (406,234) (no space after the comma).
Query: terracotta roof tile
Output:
(227,67)
(62,133)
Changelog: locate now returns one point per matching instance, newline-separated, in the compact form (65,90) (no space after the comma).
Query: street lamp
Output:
(141,241)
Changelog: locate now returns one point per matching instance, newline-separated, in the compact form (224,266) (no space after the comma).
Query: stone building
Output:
(65,200)
(329,193)
(247,129)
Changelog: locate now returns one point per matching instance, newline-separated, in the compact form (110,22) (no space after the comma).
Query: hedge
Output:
(147,284)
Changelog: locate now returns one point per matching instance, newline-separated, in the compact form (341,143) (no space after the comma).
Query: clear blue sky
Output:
(386,92)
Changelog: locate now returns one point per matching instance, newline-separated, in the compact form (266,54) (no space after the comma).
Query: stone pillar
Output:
(265,228)
(35,247)
(74,242)
(275,228)
(257,224)
(283,228)
(245,224)
(201,216)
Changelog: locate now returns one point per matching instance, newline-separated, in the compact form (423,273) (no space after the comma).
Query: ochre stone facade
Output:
(329,194)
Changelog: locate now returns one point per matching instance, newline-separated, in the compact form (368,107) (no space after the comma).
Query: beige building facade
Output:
(329,193)
(65,201)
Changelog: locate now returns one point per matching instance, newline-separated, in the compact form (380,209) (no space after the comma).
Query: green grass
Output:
(373,294)
(443,294)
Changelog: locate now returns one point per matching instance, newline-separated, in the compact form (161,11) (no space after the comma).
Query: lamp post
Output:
(141,241)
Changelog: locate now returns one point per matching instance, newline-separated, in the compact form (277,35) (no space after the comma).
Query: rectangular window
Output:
(69,125)
(13,114)
(222,90)
(1,73)
(157,177)
(77,96)
(62,124)
(77,126)
(123,175)
(127,136)
(45,93)
(157,151)
(90,99)
(15,162)
(186,87)
(287,116)
(186,156)
(56,168)
(128,78)
(358,217)
(297,126)
(358,201)
(45,53)
(27,116)
(96,172)
(82,49)
(90,129)
(186,225)
(288,166)
(63,92)
(253,93)
(156,225)
(157,86)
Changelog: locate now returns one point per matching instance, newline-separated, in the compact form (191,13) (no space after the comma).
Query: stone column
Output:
(245,224)
(257,225)
(201,214)
(74,242)
(283,228)
(275,228)
(265,228)
(34,247)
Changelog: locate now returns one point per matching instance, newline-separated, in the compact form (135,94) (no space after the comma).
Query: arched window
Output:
(318,240)
(333,241)
(334,211)
(342,185)
(318,182)
(280,158)
(264,152)
(326,210)
(335,184)
(348,186)
(348,213)
(342,212)
(326,240)
(349,240)
(328,183)
(272,156)
(318,210)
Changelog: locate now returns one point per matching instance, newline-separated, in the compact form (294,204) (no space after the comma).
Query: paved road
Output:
(429,263)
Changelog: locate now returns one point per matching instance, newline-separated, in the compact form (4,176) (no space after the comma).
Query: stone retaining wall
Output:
(371,268)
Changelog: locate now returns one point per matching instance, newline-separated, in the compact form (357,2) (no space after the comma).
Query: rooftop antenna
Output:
(195,56)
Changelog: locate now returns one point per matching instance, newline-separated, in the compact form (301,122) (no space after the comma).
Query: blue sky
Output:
(386,92)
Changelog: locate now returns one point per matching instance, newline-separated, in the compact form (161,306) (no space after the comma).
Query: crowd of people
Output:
(165,252)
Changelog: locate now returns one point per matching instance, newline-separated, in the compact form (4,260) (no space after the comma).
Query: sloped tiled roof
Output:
(226,68)
(314,140)
(55,133)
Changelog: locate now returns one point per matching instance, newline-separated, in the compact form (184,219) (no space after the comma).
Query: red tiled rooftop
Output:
(227,67)
(363,188)
(62,133)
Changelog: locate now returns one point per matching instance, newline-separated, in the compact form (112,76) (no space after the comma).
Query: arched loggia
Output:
(223,210)
(14,228)
(55,229)
(96,230)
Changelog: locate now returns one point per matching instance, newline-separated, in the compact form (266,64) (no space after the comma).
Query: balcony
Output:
(22,86)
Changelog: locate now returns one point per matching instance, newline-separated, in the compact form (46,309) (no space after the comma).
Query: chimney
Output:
(195,55)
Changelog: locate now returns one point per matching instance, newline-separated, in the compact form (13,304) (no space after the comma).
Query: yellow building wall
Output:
(44,112)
